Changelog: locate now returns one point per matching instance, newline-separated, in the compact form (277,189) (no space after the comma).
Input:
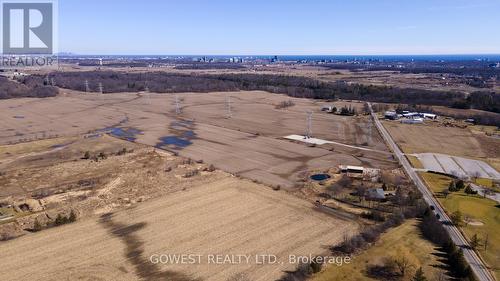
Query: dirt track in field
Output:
(249,143)
(227,217)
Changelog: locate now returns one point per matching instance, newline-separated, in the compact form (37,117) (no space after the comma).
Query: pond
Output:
(320,177)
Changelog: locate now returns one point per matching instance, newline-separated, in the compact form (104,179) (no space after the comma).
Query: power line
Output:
(370,130)
(146,91)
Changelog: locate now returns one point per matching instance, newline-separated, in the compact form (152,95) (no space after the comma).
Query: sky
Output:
(279,27)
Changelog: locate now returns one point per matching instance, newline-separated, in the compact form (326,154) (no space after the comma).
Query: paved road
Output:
(475,262)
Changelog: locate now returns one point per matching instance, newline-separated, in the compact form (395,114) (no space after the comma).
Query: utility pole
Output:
(101,89)
(229,113)
(146,91)
(309,125)
(370,130)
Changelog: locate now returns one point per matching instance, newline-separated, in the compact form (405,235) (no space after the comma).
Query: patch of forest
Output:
(11,89)
(294,86)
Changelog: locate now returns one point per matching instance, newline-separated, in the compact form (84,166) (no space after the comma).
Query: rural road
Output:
(472,258)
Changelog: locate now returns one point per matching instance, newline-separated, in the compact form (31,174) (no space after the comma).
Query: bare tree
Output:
(456,218)
(475,241)
(403,264)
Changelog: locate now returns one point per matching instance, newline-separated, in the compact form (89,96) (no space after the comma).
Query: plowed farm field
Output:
(230,217)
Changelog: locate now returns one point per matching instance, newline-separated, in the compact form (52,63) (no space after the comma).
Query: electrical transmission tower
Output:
(146,91)
(370,129)
(229,112)
(101,88)
(177,105)
(87,87)
(309,125)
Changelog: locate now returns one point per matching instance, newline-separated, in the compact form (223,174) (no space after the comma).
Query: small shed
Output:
(375,194)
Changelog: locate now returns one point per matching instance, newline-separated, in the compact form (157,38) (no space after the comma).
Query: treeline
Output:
(114,64)
(480,117)
(433,230)
(205,66)
(10,89)
(406,205)
(459,68)
(487,101)
(311,88)
(484,72)
(113,82)
(295,86)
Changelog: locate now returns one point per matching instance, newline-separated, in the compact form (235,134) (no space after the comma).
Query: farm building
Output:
(430,116)
(328,108)
(413,121)
(368,174)
(352,171)
(391,115)
(375,194)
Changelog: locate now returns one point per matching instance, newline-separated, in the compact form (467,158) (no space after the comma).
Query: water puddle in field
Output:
(320,177)
(175,141)
(124,133)
(181,137)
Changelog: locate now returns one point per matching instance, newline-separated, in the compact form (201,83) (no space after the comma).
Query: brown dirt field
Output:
(249,144)
(60,179)
(229,216)
(56,163)
(447,140)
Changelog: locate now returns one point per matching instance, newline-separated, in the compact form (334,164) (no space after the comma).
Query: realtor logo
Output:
(28,28)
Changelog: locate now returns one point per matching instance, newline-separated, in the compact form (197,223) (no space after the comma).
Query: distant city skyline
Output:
(278,27)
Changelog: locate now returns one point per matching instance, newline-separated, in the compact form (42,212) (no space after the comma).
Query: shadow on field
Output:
(144,268)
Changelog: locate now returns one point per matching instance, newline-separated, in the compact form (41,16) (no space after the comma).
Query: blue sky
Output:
(281,27)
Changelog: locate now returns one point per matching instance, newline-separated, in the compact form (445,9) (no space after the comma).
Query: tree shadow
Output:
(144,268)
(443,261)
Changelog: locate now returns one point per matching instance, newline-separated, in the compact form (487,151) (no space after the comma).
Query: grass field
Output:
(484,212)
(484,182)
(405,239)
(414,162)
(490,130)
